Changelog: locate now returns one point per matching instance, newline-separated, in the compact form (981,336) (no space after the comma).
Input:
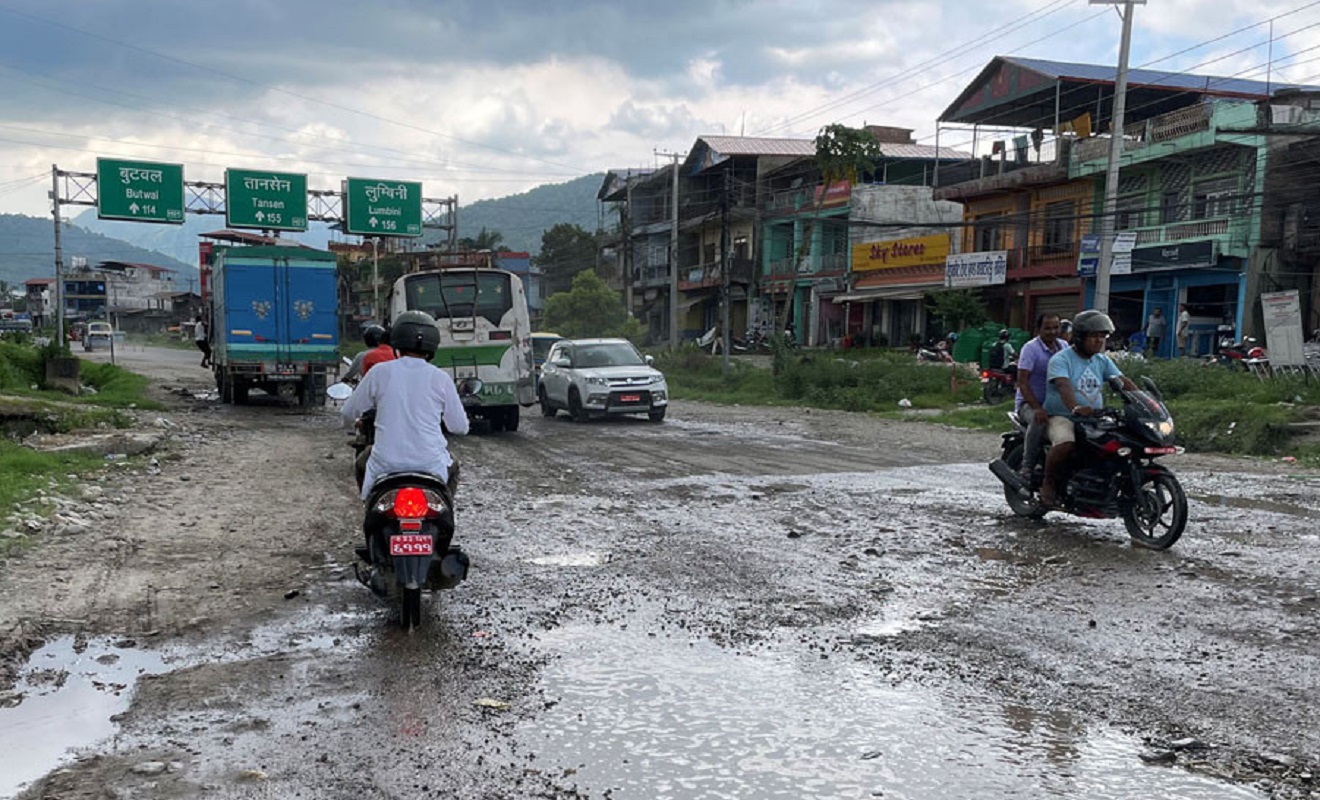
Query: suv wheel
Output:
(575,408)
(547,410)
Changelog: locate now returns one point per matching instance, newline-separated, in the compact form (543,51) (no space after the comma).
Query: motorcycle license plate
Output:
(411,544)
(630,398)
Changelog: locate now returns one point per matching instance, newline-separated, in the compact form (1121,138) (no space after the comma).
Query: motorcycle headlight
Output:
(1163,427)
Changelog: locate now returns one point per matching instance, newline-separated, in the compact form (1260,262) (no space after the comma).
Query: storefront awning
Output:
(888,293)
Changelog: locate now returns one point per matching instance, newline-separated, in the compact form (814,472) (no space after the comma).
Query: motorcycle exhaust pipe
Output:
(1009,477)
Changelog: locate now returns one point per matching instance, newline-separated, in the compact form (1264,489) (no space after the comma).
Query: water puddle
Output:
(647,717)
(70,690)
(1254,504)
(573,560)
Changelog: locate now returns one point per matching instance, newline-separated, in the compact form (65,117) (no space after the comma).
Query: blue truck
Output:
(273,321)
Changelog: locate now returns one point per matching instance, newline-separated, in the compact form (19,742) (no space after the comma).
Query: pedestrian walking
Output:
(1180,333)
(203,343)
(1155,326)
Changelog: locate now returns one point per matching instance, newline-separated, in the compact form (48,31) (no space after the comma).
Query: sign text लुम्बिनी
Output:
(374,193)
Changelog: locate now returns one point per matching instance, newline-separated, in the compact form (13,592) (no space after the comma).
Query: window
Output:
(708,254)
(460,293)
(989,232)
(1170,207)
(1059,227)
(1217,197)
(1130,212)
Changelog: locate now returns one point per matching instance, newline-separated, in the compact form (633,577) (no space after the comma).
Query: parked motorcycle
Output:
(1112,472)
(407,526)
(937,353)
(998,385)
(1243,353)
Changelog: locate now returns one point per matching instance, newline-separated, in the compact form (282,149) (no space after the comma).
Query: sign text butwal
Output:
(143,191)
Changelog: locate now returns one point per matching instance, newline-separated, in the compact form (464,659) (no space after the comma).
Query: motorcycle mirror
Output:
(1149,382)
(338,391)
(347,361)
(470,386)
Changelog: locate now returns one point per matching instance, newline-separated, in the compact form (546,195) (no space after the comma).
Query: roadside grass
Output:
(25,472)
(22,367)
(1214,408)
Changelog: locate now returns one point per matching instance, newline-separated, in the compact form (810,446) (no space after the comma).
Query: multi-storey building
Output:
(1188,194)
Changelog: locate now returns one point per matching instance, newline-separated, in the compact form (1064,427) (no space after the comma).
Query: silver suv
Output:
(593,377)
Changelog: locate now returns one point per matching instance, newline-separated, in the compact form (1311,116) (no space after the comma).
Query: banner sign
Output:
(1175,256)
(1283,328)
(896,253)
(976,269)
(1088,255)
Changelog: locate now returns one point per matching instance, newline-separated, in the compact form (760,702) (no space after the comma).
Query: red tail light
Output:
(410,503)
(985,373)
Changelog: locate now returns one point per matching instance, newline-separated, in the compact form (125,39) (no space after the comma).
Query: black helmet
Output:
(375,335)
(1003,334)
(1065,326)
(1092,321)
(415,332)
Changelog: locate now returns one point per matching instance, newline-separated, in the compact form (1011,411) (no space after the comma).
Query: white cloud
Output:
(483,100)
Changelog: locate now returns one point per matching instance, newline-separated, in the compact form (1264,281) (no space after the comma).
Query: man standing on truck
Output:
(413,400)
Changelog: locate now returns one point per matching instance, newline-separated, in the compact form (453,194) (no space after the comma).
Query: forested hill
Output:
(27,250)
(522,218)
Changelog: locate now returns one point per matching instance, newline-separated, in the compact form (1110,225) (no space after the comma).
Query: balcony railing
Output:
(1196,229)
(1138,135)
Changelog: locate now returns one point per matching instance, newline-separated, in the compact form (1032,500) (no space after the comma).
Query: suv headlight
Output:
(592,380)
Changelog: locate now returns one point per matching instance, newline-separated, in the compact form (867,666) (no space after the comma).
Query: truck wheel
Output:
(511,419)
(240,390)
(226,388)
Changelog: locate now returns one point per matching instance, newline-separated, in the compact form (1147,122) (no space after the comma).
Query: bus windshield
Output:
(461,293)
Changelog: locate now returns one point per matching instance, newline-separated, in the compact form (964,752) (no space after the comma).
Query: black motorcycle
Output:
(408,526)
(1112,472)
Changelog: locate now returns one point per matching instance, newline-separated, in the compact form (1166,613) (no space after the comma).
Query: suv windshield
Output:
(606,354)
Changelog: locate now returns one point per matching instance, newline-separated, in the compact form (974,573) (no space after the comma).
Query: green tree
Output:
(566,250)
(957,308)
(589,308)
(486,240)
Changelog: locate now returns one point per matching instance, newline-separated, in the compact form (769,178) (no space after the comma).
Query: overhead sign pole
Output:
(1115,154)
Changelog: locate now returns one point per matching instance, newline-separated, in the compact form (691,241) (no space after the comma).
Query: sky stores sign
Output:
(916,252)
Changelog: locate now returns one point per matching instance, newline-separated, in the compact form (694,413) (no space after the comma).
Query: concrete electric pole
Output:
(1108,218)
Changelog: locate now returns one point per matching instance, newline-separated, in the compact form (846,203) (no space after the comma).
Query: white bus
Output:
(485,332)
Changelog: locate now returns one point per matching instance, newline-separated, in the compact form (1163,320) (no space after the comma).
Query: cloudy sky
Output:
(485,99)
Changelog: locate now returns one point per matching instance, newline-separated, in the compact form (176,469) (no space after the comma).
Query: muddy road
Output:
(738,602)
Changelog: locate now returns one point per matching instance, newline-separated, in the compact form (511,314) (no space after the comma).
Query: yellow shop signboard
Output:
(916,252)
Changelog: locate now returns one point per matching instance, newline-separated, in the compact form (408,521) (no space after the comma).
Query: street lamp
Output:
(1115,153)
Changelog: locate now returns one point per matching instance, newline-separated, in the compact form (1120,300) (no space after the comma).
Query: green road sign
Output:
(268,200)
(139,190)
(382,208)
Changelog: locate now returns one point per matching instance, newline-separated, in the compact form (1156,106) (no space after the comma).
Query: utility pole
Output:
(375,280)
(726,264)
(59,257)
(673,262)
(1108,218)
(628,248)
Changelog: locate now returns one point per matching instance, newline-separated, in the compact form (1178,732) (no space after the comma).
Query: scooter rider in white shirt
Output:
(412,398)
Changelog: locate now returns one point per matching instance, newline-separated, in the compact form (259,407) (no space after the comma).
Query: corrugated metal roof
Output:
(757,146)
(1204,84)
(806,148)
